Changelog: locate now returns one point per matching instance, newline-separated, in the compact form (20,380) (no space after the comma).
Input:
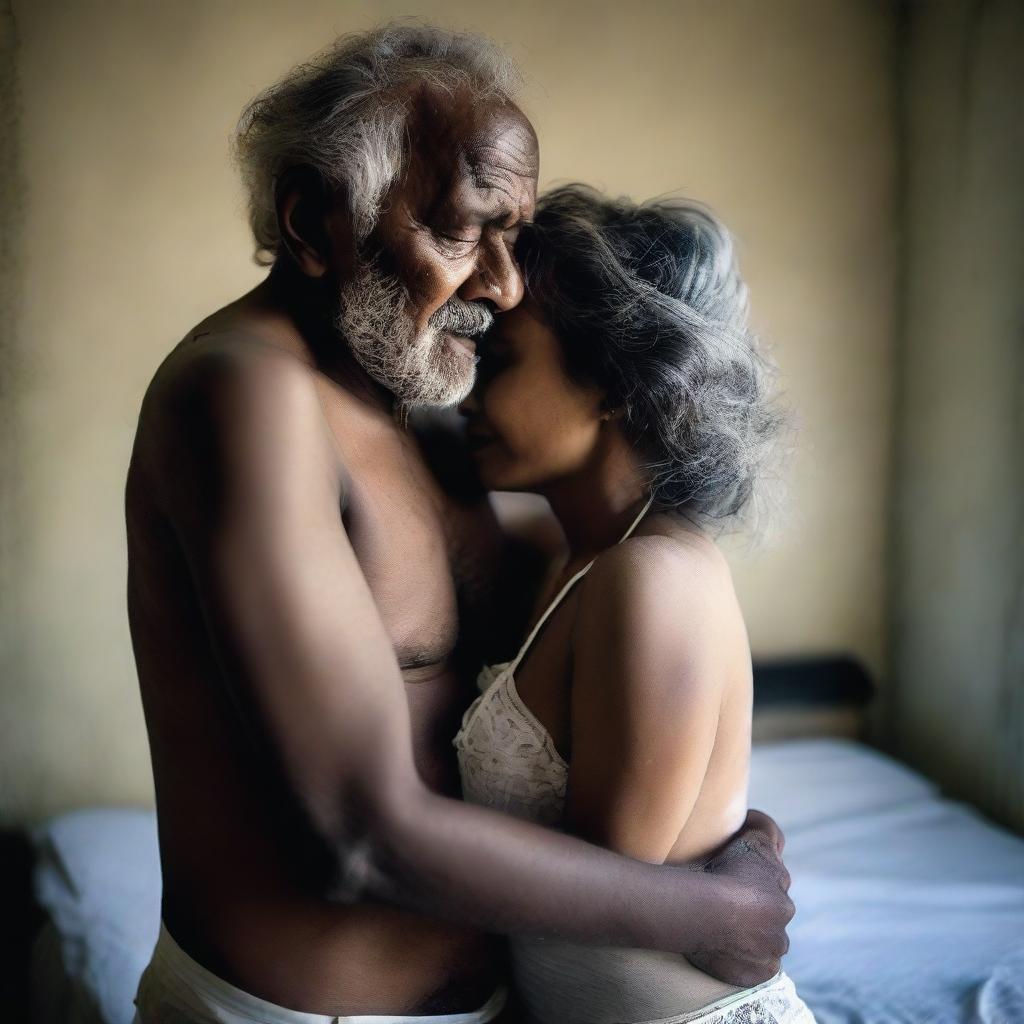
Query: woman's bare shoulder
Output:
(666,558)
(660,606)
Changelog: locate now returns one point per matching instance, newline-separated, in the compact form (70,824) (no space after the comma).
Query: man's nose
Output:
(495,277)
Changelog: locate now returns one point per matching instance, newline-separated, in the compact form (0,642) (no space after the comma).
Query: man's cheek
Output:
(428,270)
(432,287)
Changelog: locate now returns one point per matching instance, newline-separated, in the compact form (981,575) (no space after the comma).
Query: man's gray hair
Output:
(344,114)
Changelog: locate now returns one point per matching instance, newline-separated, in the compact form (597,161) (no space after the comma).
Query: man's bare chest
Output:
(397,531)
(424,554)
(405,535)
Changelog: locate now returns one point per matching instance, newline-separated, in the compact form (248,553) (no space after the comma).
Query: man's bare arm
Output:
(256,504)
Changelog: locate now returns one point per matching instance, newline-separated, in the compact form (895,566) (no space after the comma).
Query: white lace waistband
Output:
(772,1002)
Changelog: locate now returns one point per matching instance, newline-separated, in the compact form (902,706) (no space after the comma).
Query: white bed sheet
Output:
(910,908)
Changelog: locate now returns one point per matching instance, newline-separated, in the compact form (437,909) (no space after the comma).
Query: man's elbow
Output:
(370,854)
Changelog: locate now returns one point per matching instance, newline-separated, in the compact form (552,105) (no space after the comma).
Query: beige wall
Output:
(779,115)
(958,702)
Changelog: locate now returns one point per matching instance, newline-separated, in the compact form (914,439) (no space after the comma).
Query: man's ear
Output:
(305,208)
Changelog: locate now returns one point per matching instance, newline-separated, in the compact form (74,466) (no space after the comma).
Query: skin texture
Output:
(297,582)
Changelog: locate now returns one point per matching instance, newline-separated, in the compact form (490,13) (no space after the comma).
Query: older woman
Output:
(628,390)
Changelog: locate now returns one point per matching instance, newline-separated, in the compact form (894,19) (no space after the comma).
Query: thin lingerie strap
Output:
(565,589)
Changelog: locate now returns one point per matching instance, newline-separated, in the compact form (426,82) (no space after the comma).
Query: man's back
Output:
(234,854)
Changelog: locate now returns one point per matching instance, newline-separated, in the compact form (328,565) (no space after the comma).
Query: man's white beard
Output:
(417,367)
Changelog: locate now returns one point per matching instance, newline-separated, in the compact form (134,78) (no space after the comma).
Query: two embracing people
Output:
(415,762)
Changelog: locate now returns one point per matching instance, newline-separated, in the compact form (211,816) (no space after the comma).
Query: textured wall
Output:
(958,628)
(780,116)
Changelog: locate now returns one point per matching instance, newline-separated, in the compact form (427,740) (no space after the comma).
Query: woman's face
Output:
(529,424)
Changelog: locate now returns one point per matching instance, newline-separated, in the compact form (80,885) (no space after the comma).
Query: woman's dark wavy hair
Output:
(649,306)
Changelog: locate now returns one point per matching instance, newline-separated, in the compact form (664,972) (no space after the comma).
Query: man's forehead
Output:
(502,146)
(455,143)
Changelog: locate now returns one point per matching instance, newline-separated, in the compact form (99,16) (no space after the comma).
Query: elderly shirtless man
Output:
(303,591)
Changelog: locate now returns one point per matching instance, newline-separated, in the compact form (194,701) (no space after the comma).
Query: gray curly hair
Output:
(344,113)
(648,304)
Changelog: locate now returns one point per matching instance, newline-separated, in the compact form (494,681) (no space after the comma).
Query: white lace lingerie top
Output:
(508,761)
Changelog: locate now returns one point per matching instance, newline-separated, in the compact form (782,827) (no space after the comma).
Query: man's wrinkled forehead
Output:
(466,152)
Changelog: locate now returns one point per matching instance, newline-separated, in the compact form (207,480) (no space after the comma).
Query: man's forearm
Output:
(490,871)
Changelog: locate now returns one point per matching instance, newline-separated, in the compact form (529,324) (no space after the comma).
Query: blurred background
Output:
(869,157)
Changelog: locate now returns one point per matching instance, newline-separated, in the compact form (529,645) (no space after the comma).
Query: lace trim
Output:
(774,1002)
(507,759)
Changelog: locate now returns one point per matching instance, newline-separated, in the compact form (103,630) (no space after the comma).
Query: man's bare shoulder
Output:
(210,362)
(228,393)
(246,343)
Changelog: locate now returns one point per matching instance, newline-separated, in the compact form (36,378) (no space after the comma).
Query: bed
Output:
(910,907)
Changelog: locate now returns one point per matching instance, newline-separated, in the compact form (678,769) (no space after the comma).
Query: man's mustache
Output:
(467,319)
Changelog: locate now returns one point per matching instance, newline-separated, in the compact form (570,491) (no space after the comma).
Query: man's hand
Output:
(756,907)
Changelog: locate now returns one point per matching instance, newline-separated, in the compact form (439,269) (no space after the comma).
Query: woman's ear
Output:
(609,410)
(305,216)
